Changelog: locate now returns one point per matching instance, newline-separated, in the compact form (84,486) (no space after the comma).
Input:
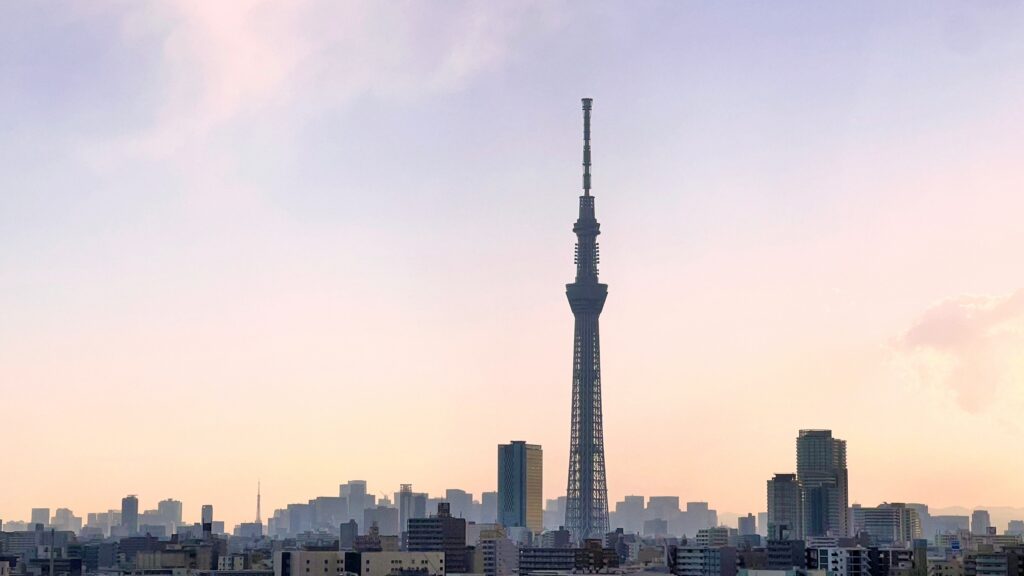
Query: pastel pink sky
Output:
(310,242)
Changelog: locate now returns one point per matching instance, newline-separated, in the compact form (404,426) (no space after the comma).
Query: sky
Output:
(309,242)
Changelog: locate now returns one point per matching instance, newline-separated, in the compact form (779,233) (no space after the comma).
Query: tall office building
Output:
(1015,528)
(893,524)
(354,493)
(130,514)
(207,520)
(461,503)
(586,514)
(328,512)
(784,513)
(488,507)
(170,511)
(520,485)
(629,514)
(824,493)
(64,519)
(747,525)
(410,505)
(40,516)
(419,505)
(980,522)
(384,518)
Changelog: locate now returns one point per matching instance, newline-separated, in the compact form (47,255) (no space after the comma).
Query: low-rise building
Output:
(702,561)
(308,563)
(785,555)
(846,561)
(713,537)
(532,560)
(396,563)
(945,567)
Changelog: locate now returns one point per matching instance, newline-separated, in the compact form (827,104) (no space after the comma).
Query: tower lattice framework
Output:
(586,513)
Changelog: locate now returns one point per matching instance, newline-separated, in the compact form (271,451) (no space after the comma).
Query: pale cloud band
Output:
(973,346)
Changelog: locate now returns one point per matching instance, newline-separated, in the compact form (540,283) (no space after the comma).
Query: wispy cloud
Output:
(222,62)
(971,346)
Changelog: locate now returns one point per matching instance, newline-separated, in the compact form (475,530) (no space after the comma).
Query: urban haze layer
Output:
(808,526)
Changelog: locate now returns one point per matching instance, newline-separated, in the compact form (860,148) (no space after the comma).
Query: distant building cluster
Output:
(808,529)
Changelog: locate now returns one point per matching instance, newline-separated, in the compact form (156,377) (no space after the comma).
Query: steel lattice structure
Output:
(586,513)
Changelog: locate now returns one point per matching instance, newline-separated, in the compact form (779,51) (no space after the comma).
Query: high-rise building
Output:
(488,507)
(554,513)
(520,485)
(664,507)
(980,522)
(40,516)
(347,534)
(130,514)
(947,524)
(784,516)
(924,517)
(64,519)
(207,520)
(384,518)
(170,511)
(354,492)
(419,505)
(299,519)
(461,503)
(586,514)
(747,525)
(824,492)
(327,512)
(629,514)
(887,524)
(410,505)
(698,515)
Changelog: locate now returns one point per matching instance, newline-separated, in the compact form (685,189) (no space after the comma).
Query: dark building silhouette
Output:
(347,533)
(784,508)
(441,533)
(207,521)
(785,554)
(130,514)
(824,492)
(586,514)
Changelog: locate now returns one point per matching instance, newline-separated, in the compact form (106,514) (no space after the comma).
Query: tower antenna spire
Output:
(258,516)
(587,104)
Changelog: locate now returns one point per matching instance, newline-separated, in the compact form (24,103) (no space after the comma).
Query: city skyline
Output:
(793,518)
(208,265)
